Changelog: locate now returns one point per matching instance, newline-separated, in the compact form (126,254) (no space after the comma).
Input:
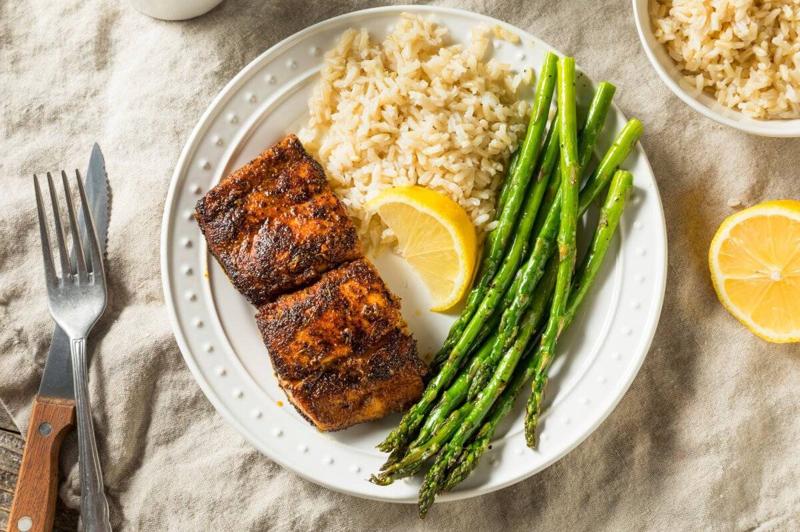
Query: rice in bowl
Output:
(413,110)
(744,52)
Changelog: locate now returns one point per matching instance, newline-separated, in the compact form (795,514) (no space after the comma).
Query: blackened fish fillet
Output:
(341,350)
(275,225)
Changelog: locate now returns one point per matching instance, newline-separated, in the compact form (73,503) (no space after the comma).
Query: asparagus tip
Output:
(380,480)
(531,420)
(426,497)
(388,445)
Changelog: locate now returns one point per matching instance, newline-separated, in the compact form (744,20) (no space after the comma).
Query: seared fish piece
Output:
(341,350)
(275,224)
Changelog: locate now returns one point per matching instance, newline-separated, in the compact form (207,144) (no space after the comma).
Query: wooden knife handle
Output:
(34,503)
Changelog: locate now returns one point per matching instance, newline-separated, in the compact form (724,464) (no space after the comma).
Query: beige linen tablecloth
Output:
(707,436)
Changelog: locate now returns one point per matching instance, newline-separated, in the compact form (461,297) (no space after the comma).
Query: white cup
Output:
(174,9)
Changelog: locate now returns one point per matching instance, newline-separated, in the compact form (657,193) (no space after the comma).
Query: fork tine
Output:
(49,267)
(76,239)
(62,248)
(91,234)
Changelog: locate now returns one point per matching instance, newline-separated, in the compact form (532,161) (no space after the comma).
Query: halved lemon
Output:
(435,235)
(755,267)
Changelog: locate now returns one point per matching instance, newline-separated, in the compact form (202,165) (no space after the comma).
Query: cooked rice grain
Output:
(413,111)
(744,52)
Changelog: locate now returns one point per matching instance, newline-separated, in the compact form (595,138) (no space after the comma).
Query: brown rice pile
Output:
(745,52)
(413,110)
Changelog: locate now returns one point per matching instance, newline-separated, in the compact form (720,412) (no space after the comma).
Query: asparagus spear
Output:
(509,204)
(529,151)
(598,110)
(595,120)
(585,276)
(505,188)
(568,135)
(570,190)
(609,219)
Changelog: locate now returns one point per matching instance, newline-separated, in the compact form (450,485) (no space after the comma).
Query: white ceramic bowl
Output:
(174,9)
(701,102)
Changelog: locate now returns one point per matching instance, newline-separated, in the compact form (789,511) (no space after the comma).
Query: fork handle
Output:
(35,497)
(94,505)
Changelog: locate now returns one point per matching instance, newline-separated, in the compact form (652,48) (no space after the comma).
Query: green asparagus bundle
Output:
(584,278)
(542,197)
(529,153)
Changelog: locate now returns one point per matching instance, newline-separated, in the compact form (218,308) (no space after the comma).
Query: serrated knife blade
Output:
(57,376)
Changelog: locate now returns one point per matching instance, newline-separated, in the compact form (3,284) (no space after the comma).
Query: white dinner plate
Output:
(216,330)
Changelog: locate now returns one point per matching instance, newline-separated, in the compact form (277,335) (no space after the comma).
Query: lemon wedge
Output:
(755,267)
(435,236)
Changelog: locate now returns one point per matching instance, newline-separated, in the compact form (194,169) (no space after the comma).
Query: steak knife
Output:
(53,412)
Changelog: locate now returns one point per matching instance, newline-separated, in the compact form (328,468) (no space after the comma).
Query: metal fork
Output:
(77,298)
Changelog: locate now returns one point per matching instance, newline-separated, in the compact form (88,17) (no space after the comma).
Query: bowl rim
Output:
(768,128)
